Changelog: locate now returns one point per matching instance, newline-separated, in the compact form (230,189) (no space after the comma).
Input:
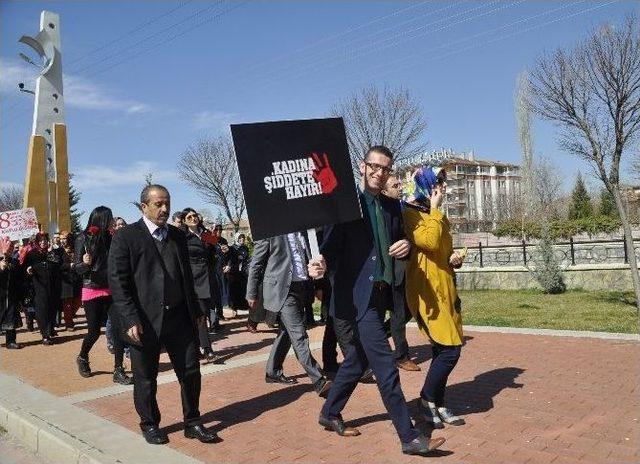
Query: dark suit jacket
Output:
(350,252)
(136,277)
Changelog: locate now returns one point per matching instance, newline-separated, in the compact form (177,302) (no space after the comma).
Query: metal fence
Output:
(568,253)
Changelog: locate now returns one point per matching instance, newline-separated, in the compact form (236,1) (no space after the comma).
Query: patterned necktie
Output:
(159,234)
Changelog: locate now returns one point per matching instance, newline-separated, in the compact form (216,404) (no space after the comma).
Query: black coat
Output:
(136,276)
(201,260)
(10,296)
(71,281)
(95,275)
(46,278)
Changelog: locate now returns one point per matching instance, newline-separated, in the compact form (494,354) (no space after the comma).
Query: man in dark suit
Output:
(153,294)
(360,256)
(400,315)
(280,264)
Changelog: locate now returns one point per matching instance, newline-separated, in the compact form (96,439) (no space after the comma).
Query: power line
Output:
(368,38)
(149,37)
(131,32)
(376,47)
(327,39)
(235,6)
(390,67)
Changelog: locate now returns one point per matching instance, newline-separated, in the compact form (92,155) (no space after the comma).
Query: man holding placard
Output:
(361,257)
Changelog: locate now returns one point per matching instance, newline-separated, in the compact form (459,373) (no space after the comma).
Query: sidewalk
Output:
(527,398)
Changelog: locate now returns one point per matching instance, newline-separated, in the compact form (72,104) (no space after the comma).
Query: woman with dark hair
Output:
(92,251)
(201,256)
(430,287)
(44,268)
(10,286)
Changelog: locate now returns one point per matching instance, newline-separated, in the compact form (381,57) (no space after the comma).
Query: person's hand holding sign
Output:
(324,174)
(317,267)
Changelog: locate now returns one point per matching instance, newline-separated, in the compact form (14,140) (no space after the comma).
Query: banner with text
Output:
(295,175)
(18,223)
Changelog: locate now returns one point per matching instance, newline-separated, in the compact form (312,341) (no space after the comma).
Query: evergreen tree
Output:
(547,270)
(608,204)
(74,199)
(580,207)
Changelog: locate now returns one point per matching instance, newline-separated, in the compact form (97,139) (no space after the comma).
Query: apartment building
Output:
(479,192)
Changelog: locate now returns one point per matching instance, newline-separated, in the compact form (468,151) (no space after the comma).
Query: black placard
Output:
(295,175)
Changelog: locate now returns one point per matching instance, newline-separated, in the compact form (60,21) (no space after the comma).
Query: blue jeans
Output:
(443,361)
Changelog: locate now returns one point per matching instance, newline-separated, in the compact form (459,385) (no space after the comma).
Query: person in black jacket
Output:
(44,268)
(155,298)
(71,283)
(91,253)
(239,273)
(10,286)
(201,259)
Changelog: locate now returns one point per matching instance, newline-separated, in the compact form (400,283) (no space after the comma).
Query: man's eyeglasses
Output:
(377,167)
(191,216)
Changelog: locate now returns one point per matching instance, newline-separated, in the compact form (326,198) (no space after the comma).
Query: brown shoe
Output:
(337,425)
(407,365)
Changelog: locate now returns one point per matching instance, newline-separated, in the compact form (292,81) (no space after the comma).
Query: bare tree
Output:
(523,121)
(11,197)
(382,117)
(635,167)
(209,166)
(546,190)
(592,92)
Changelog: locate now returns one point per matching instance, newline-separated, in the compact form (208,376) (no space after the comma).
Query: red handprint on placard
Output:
(323,173)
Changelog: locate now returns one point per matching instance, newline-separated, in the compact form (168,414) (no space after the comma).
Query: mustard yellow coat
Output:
(431,293)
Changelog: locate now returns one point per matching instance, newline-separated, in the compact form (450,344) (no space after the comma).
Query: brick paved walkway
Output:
(526,399)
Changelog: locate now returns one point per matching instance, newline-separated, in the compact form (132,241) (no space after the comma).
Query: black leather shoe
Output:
(13,346)
(422,446)
(280,379)
(121,377)
(337,425)
(83,367)
(325,386)
(201,433)
(154,435)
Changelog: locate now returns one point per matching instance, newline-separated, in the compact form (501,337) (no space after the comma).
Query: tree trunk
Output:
(628,237)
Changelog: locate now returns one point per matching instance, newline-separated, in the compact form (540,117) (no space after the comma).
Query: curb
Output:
(547,332)
(66,434)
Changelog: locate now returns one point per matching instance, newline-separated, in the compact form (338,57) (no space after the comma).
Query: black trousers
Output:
(397,323)
(97,311)
(337,332)
(179,337)
(203,334)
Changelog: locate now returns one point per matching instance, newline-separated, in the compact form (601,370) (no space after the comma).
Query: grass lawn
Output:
(573,310)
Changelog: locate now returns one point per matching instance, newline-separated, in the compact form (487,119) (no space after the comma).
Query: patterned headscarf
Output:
(424,179)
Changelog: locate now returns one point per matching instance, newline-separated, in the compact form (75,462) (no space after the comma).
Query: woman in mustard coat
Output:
(431,290)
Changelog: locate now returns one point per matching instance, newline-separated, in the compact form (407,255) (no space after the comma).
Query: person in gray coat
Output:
(281,265)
